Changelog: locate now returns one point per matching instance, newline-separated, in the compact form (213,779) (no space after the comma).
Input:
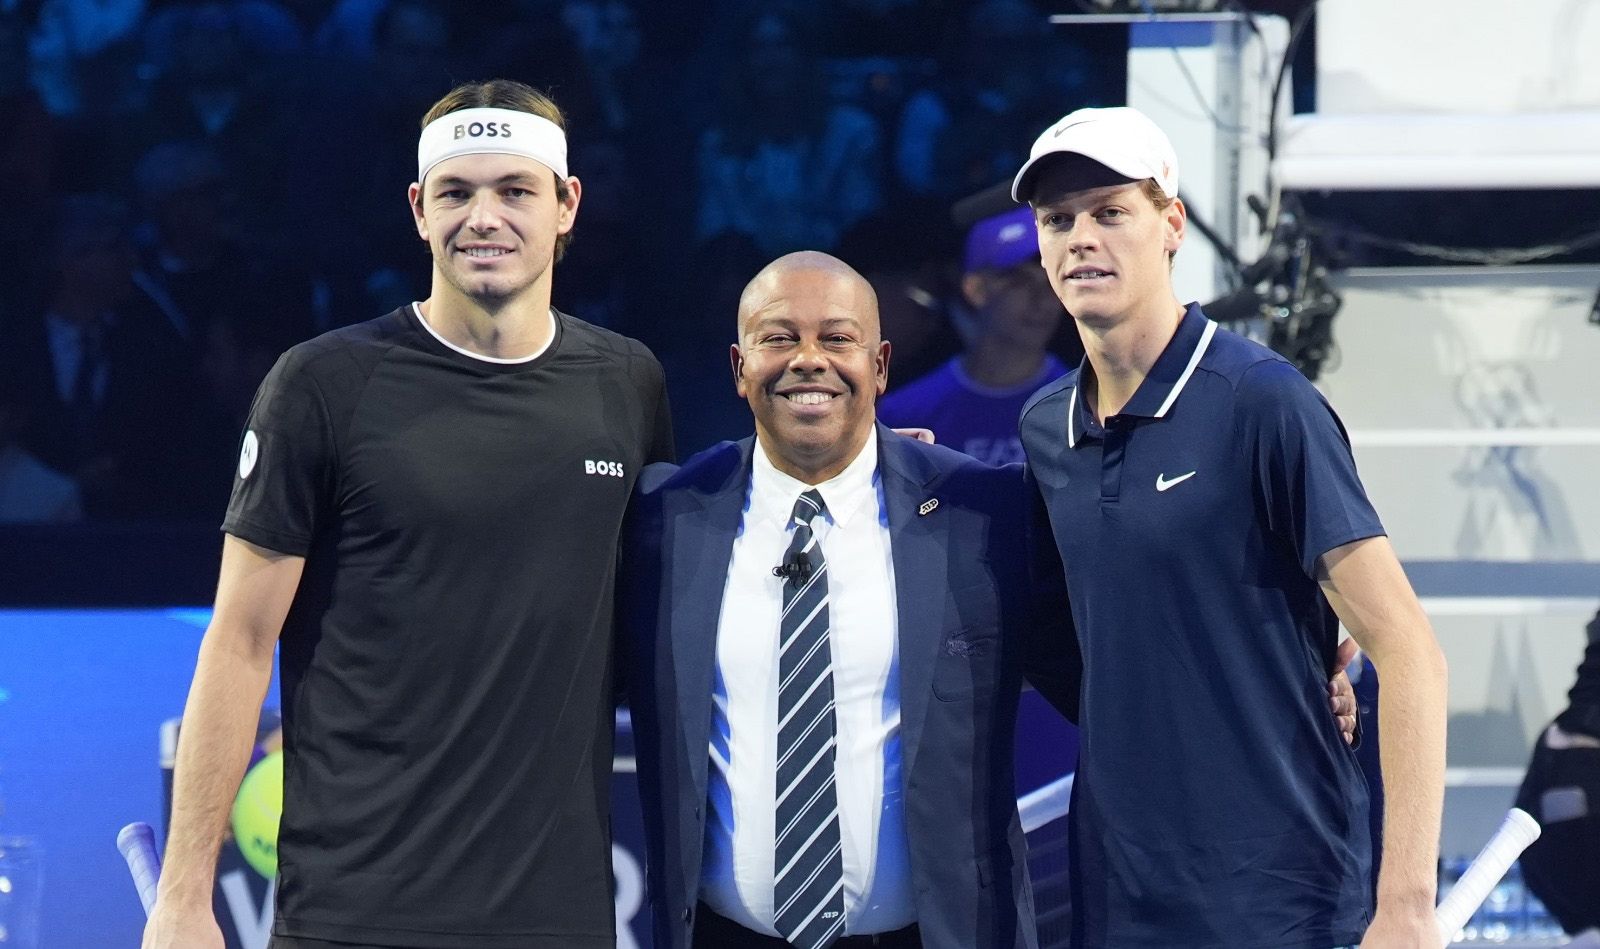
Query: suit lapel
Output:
(703,530)
(919,550)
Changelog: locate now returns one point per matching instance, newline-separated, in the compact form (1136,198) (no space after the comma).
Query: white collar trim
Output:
(1194,360)
(1072,414)
(498,360)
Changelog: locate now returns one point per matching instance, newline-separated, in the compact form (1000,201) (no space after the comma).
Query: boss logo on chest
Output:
(612,468)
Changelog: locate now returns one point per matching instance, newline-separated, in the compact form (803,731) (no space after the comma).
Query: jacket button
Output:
(688,914)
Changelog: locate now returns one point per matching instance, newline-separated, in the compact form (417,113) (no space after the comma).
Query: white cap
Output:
(1122,139)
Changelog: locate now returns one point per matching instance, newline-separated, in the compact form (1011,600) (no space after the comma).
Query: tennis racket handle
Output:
(138,845)
(1516,832)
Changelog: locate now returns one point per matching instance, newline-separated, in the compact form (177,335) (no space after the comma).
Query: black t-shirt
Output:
(1582,714)
(446,665)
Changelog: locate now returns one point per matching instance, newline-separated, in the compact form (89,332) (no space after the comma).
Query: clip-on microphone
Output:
(796,567)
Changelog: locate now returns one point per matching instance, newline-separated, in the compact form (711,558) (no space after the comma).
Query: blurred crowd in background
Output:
(191,188)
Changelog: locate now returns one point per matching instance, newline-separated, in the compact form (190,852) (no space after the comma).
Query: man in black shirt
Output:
(427,506)
(1562,791)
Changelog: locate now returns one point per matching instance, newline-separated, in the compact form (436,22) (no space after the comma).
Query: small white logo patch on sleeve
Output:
(248,452)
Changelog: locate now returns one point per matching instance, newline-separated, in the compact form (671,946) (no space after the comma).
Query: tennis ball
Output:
(255,814)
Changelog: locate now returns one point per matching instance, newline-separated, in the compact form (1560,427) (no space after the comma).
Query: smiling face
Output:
(811,363)
(491,222)
(1104,244)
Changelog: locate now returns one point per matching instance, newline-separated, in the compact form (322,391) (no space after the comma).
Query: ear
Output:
(567,214)
(881,366)
(1176,217)
(414,198)
(975,290)
(736,359)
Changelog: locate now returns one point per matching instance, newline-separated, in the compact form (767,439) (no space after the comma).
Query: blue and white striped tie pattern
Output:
(809,879)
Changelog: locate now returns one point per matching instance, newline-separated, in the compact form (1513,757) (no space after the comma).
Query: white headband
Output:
(492,132)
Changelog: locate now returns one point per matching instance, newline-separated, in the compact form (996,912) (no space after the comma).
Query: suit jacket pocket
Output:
(968,663)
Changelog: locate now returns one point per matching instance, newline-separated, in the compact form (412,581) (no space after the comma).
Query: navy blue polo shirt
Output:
(1216,804)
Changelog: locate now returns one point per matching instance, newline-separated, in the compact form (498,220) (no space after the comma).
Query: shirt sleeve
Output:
(284,481)
(1305,474)
(659,442)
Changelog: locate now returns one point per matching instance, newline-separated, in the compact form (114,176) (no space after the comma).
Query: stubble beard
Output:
(490,295)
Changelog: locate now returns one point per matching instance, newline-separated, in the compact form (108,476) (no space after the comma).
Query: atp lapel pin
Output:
(928,506)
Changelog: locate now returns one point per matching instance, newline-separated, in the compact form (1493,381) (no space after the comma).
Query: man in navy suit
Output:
(827,626)
(834,767)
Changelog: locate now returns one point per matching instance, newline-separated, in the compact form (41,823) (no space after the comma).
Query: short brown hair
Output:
(507,94)
(1152,190)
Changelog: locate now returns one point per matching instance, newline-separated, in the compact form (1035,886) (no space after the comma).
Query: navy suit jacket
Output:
(965,601)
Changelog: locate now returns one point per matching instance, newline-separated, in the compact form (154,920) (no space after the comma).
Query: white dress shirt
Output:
(737,871)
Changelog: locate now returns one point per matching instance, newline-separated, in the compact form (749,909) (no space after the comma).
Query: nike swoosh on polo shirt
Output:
(1162,482)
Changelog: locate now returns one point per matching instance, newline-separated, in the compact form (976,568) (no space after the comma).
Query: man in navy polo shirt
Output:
(1214,534)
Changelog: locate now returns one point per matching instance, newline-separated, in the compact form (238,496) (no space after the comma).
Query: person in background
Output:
(777,164)
(198,265)
(30,144)
(1562,792)
(1003,73)
(972,402)
(30,492)
(107,382)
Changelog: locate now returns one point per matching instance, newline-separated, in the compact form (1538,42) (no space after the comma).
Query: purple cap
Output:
(1002,241)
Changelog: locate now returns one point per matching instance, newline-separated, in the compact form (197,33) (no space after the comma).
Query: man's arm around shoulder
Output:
(1368,590)
(254,592)
(1052,660)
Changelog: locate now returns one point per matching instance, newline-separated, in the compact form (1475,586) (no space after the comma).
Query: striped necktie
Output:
(809,880)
